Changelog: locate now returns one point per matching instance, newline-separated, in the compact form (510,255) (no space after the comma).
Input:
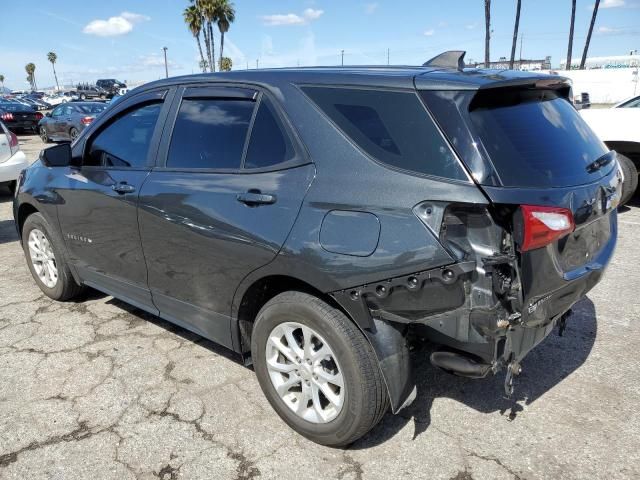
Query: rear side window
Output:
(269,145)
(210,133)
(536,139)
(393,127)
(125,142)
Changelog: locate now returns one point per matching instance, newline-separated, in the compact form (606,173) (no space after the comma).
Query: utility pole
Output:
(521,39)
(388,57)
(257,63)
(166,67)
(342,58)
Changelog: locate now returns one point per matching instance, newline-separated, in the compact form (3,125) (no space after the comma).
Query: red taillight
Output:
(39,116)
(86,120)
(7,116)
(543,225)
(13,143)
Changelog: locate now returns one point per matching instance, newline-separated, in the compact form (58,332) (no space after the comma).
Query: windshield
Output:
(92,108)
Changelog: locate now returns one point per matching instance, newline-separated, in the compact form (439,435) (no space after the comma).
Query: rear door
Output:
(220,204)
(530,151)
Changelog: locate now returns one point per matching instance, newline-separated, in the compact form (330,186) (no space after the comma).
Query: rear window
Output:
(536,139)
(391,126)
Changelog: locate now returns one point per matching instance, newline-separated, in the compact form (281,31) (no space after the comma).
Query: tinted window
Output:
(210,133)
(125,142)
(97,108)
(635,103)
(269,145)
(535,139)
(392,127)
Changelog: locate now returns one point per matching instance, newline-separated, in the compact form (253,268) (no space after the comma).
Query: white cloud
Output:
(607,30)
(442,24)
(612,3)
(471,26)
(429,33)
(278,19)
(114,26)
(370,8)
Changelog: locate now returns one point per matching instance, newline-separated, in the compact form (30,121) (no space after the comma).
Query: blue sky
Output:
(124,38)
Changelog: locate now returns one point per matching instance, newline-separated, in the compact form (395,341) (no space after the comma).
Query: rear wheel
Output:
(630,183)
(45,259)
(317,369)
(44,135)
(73,133)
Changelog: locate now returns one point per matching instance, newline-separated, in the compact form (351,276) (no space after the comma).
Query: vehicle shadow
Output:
(545,367)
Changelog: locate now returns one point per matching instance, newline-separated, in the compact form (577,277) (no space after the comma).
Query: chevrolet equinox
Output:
(308,218)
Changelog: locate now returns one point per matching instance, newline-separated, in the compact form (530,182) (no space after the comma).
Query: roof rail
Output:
(450,59)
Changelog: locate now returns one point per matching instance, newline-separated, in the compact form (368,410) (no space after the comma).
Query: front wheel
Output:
(73,133)
(43,135)
(317,369)
(630,183)
(44,253)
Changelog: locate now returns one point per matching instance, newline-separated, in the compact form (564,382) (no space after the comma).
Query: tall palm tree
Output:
(2,81)
(53,58)
(226,14)
(30,68)
(487,32)
(573,20)
(588,41)
(193,19)
(515,35)
(205,6)
(208,9)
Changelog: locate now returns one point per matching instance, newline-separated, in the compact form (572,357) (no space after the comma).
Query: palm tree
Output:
(193,19)
(586,44)
(487,31)
(2,81)
(226,14)
(515,35)
(52,57)
(225,64)
(573,20)
(30,68)
(208,9)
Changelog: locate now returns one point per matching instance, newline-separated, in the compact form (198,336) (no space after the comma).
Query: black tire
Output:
(83,96)
(73,133)
(44,136)
(66,287)
(366,399)
(630,183)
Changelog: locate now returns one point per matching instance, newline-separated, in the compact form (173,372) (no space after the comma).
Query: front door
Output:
(229,188)
(98,206)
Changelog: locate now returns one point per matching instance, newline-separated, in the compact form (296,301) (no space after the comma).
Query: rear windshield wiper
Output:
(600,162)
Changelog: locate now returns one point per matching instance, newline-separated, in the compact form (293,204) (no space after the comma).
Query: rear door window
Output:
(536,139)
(269,144)
(210,133)
(391,126)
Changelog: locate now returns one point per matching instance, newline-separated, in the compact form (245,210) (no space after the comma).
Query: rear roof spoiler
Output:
(453,59)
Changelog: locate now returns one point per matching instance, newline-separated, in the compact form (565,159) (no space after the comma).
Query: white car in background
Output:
(12,159)
(619,128)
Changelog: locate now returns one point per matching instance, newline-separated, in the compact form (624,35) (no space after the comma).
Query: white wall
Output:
(608,85)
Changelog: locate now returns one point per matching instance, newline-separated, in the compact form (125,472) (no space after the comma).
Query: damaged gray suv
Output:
(307,219)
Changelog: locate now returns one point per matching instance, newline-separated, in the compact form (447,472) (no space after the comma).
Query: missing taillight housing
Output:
(543,225)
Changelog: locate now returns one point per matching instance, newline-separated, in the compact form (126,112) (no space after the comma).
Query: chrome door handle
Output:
(254,198)
(123,188)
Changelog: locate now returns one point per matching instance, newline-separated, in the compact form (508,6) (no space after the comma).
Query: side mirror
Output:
(57,156)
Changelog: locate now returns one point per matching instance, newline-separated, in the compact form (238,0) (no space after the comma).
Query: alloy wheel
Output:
(305,372)
(43,134)
(42,258)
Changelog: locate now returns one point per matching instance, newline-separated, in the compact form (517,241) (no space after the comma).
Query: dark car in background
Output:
(66,121)
(310,219)
(19,117)
(85,91)
(111,86)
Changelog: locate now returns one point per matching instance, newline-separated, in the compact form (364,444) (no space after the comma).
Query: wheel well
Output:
(263,290)
(628,149)
(24,211)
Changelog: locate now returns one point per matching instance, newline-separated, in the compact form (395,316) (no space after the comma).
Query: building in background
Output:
(520,64)
(613,61)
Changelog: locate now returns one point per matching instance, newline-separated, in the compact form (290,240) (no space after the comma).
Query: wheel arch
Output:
(24,211)
(387,339)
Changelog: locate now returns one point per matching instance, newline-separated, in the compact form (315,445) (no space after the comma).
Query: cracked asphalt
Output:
(97,389)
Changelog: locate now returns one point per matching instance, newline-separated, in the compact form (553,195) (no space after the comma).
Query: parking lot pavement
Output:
(97,389)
